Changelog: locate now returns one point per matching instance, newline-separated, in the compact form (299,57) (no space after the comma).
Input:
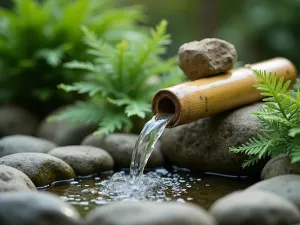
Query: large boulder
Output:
(149,213)
(121,146)
(204,145)
(64,132)
(38,208)
(85,160)
(41,168)
(23,143)
(16,120)
(207,57)
(287,186)
(12,179)
(254,207)
(280,165)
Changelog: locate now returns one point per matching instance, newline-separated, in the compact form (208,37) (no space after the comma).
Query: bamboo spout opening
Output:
(166,106)
(165,102)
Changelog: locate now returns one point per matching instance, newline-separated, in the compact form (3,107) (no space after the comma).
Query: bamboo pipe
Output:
(205,97)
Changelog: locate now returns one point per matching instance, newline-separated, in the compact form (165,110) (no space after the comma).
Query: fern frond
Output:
(294,131)
(82,66)
(132,107)
(137,109)
(113,122)
(270,87)
(82,112)
(252,160)
(279,117)
(52,56)
(295,151)
(82,88)
(255,146)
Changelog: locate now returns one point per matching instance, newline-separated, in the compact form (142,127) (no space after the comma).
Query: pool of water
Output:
(175,184)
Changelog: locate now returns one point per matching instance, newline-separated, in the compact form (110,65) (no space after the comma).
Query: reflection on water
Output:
(176,184)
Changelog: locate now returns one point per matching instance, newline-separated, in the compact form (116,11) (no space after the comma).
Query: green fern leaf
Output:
(112,123)
(82,88)
(82,66)
(279,117)
(294,132)
(137,109)
(52,56)
(82,112)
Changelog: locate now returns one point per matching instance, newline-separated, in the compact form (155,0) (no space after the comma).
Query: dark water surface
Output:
(175,184)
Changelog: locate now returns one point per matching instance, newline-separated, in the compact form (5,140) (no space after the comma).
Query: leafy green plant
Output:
(280,118)
(38,37)
(121,80)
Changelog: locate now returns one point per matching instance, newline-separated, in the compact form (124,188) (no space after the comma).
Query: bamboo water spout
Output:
(205,97)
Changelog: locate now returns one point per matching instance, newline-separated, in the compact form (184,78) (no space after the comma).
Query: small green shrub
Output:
(280,118)
(120,80)
(37,38)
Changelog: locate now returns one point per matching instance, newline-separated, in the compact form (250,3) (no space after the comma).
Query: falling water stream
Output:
(145,143)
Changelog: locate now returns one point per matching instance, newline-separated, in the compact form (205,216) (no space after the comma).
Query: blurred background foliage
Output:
(259,29)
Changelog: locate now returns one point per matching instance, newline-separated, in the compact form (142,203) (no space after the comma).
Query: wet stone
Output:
(280,165)
(64,132)
(85,160)
(41,168)
(12,179)
(254,207)
(207,57)
(38,208)
(287,186)
(16,120)
(23,143)
(121,146)
(149,213)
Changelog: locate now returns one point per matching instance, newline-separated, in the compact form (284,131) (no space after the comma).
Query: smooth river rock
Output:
(36,208)
(149,213)
(204,145)
(64,132)
(121,146)
(12,179)
(16,120)
(280,165)
(41,168)
(287,186)
(207,57)
(85,160)
(23,143)
(254,207)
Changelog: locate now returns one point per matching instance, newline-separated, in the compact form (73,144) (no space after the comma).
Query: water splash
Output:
(144,146)
(136,185)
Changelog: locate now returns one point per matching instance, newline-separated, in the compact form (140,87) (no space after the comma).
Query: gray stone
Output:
(280,165)
(64,132)
(41,168)
(287,186)
(23,143)
(120,147)
(149,213)
(254,207)
(38,208)
(12,179)
(207,57)
(85,160)
(204,145)
(16,120)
